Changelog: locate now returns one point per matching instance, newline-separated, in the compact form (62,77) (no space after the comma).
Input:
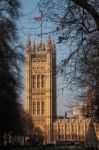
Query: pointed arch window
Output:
(34,81)
(34,108)
(42,108)
(42,81)
(38,108)
(38,81)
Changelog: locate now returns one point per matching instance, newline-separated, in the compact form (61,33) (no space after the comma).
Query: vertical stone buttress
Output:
(28,75)
(41,97)
(51,86)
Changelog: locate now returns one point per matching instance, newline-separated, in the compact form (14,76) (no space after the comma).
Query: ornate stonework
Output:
(41,85)
(41,97)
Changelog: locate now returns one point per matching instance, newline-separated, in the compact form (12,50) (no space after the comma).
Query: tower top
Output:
(31,46)
(49,42)
(28,42)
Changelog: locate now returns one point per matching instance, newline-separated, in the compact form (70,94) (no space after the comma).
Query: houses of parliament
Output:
(41,101)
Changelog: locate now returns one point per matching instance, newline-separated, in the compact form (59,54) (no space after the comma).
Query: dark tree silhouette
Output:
(76,22)
(10,58)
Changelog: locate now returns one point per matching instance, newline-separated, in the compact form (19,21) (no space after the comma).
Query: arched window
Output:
(42,81)
(34,81)
(38,108)
(34,108)
(42,108)
(38,81)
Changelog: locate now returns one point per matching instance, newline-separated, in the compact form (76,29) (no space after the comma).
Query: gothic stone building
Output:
(41,97)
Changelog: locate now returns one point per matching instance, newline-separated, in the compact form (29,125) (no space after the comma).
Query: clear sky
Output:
(27,24)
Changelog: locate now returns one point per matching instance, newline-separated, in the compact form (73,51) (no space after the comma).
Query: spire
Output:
(28,43)
(40,44)
(33,46)
(54,46)
(49,42)
(43,46)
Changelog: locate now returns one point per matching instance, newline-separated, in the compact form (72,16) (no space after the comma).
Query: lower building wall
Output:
(74,130)
(68,130)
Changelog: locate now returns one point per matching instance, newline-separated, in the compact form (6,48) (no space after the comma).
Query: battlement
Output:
(41,85)
(41,47)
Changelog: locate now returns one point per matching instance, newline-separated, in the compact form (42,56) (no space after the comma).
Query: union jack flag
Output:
(37,18)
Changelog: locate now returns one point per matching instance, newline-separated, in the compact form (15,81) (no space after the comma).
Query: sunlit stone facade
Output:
(41,97)
(41,85)
(73,129)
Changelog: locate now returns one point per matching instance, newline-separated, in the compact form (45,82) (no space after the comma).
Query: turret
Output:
(33,46)
(53,46)
(41,46)
(28,73)
(28,44)
(49,43)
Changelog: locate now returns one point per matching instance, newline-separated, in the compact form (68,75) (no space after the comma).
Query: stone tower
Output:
(41,86)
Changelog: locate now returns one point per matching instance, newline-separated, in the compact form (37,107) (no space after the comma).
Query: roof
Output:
(71,120)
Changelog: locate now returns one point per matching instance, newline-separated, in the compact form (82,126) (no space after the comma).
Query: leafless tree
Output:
(10,58)
(76,22)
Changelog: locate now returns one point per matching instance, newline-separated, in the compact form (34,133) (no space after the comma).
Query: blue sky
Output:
(27,24)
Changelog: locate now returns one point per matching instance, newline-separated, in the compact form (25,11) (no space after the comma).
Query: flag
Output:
(37,18)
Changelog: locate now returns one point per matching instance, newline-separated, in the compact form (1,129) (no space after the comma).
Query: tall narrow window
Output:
(34,81)
(42,108)
(38,81)
(42,81)
(34,108)
(38,108)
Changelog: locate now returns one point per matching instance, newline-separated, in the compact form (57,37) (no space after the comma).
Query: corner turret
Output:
(28,44)
(33,46)
(49,43)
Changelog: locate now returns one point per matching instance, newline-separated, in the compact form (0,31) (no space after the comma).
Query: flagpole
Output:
(41,23)
(39,18)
